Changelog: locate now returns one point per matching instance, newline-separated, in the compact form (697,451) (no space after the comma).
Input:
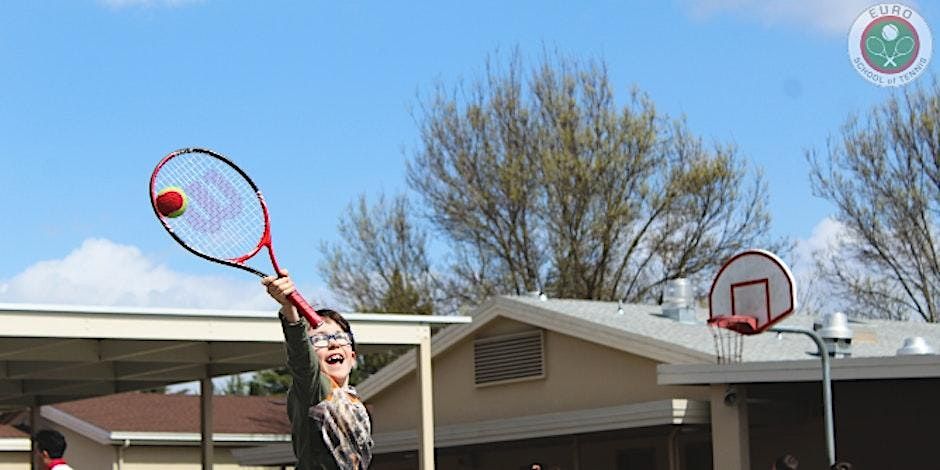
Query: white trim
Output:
(855,368)
(95,323)
(635,415)
(68,421)
(190,312)
(107,310)
(15,444)
(145,438)
(268,455)
(413,319)
(631,343)
(104,437)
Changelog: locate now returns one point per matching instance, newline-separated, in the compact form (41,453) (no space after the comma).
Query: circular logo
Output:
(890,44)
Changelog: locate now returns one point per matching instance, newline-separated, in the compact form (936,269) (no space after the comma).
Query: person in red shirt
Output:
(50,445)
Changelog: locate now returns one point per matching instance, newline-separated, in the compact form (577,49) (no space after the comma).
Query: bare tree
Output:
(380,266)
(381,263)
(883,175)
(475,173)
(543,181)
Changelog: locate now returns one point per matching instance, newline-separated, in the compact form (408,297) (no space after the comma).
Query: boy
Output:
(51,445)
(330,427)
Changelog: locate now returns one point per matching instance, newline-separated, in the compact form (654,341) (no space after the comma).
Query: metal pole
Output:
(826,383)
(35,413)
(205,421)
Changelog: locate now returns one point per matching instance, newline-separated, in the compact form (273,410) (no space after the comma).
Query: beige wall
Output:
(579,374)
(82,452)
(177,458)
(14,460)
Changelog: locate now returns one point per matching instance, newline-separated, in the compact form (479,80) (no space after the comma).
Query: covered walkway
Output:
(53,353)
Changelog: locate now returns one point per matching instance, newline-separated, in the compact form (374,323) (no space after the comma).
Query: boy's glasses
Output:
(322,340)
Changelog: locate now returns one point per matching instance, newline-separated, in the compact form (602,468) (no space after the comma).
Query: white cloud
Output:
(101,272)
(815,295)
(828,16)
(117,4)
(825,237)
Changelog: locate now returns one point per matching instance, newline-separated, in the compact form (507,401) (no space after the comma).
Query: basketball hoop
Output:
(728,332)
(752,291)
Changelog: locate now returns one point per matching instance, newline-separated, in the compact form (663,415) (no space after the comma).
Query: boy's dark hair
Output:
(50,441)
(343,324)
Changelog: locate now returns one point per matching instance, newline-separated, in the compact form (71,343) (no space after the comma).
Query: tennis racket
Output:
(213,209)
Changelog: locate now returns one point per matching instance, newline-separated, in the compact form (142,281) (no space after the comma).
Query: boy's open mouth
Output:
(335,358)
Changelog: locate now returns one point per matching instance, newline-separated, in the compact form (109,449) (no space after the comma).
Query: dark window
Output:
(637,459)
(697,456)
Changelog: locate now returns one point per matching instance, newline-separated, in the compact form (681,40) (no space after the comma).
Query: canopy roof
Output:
(55,353)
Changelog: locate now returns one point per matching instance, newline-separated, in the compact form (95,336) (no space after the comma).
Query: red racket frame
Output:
(265,242)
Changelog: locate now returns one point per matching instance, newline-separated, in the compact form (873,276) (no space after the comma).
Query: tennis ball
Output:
(171,201)
(889,32)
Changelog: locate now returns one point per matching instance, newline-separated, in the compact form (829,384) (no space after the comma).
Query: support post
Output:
(426,396)
(730,434)
(826,385)
(205,420)
(34,415)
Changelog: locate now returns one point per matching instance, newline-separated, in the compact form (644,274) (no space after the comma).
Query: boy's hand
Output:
(279,288)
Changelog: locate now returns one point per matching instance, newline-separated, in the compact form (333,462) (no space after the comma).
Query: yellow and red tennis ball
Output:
(172,201)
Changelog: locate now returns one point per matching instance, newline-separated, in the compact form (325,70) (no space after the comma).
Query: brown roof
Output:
(7,431)
(156,412)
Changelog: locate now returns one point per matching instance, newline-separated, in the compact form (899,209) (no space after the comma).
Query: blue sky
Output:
(315,100)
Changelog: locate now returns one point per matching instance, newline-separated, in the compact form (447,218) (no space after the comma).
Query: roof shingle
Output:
(155,412)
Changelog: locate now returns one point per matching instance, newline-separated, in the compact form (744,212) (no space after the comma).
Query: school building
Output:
(585,385)
(571,384)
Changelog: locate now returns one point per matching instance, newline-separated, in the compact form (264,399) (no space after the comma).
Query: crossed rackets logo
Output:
(889,44)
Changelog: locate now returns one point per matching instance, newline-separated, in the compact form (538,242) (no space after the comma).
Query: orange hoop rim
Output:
(743,324)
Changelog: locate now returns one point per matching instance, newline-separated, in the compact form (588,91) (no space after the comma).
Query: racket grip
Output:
(305,309)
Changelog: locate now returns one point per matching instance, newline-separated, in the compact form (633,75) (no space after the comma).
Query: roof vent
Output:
(538,294)
(508,358)
(835,332)
(915,346)
(677,300)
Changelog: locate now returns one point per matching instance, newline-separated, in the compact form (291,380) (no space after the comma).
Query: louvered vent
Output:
(506,358)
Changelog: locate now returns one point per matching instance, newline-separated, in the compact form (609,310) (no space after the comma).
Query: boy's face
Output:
(336,360)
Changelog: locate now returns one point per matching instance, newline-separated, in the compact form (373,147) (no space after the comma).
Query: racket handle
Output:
(305,309)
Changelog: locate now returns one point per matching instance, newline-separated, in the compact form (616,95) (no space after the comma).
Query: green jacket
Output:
(309,387)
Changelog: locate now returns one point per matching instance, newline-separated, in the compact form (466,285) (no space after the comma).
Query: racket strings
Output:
(224,218)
